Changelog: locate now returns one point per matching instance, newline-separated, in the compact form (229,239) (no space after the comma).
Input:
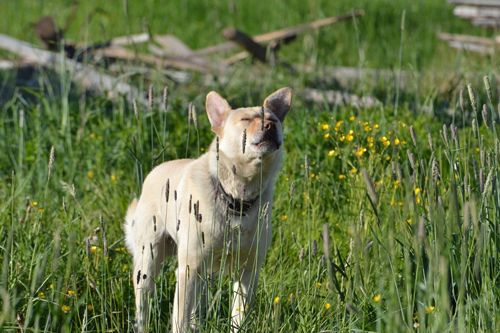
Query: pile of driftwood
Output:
(484,13)
(99,67)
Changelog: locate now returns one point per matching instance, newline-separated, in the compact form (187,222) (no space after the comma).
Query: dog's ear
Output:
(217,109)
(279,102)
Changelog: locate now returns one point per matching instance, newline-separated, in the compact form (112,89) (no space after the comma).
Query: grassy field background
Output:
(420,257)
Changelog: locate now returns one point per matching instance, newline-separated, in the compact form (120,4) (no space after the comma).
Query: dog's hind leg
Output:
(150,245)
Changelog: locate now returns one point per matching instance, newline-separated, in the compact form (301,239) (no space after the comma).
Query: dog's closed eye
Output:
(246,119)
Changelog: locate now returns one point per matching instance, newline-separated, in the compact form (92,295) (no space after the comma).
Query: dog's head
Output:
(252,131)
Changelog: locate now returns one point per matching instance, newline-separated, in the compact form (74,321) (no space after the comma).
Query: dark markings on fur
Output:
(143,249)
(199,218)
(243,142)
(175,195)
(203,238)
(154,223)
(138,276)
(234,169)
(167,190)
(144,276)
(190,203)
(133,222)
(178,224)
(151,249)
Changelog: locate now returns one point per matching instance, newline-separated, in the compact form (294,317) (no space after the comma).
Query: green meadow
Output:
(385,219)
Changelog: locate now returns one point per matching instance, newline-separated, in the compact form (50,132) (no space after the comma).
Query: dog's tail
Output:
(129,225)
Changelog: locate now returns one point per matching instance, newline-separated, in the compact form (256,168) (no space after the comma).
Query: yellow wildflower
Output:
(341,177)
(342,138)
(417,190)
(90,307)
(377,298)
(354,171)
(429,309)
(65,308)
(90,174)
(397,183)
(326,136)
(276,300)
(386,142)
(328,306)
(317,284)
(350,136)
(93,249)
(352,118)
(360,151)
(376,126)
(396,142)
(325,127)
(41,295)
(71,293)
(331,153)
(284,218)
(114,178)
(338,124)
(34,203)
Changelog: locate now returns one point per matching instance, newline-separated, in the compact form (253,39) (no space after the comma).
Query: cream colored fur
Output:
(163,222)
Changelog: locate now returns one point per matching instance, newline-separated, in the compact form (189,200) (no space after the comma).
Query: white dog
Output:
(213,212)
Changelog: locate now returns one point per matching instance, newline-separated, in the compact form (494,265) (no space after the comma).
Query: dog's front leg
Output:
(243,293)
(187,292)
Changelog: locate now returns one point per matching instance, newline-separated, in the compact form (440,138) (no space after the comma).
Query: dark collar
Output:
(233,206)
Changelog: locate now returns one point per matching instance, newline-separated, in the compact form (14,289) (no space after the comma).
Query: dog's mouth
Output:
(267,144)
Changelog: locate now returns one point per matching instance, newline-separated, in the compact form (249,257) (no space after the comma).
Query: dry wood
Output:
(172,46)
(129,40)
(469,43)
(258,51)
(467,39)
(338,98)
(7,64)
(84,75)
(474,12)
(487,3)
(281,34)
(486,22)
(175,62)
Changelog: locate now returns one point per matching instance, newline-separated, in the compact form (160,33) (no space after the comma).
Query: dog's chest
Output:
(236,234)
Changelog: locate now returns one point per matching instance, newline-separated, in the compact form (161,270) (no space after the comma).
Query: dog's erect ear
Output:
(279,102)
(217,109)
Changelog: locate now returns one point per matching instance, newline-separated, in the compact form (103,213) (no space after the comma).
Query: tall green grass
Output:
(411,246)
(421,256)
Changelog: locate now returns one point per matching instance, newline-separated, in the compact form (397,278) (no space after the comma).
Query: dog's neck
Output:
(243,179)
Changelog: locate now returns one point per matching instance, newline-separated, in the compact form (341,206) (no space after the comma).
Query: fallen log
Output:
(475,12)
(175,62)
(482,3)
(84,75)
(469,43)
(282,34)
(258,51)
